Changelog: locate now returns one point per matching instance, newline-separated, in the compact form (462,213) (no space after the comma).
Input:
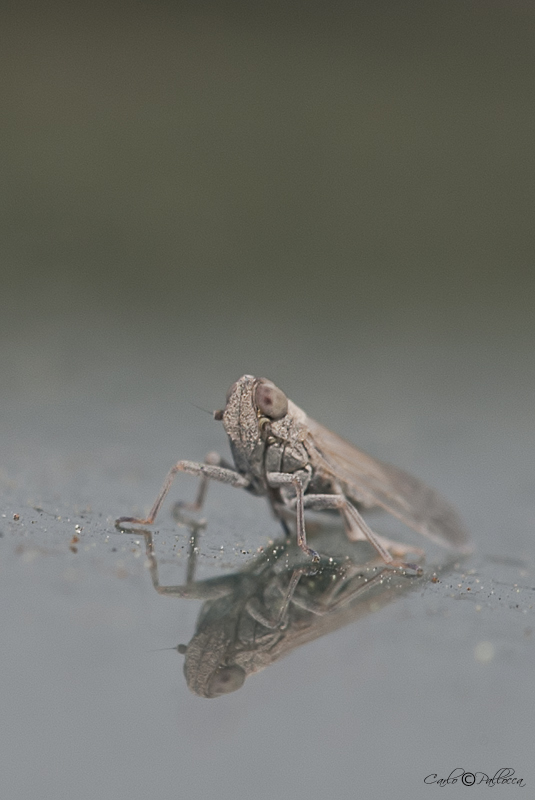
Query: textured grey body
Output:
(330,465)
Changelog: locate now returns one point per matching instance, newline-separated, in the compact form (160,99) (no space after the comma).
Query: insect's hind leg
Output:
(205,471)
(357,529)
(399,549)
(356,534)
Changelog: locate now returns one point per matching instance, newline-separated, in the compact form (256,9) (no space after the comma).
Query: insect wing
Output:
(372,483)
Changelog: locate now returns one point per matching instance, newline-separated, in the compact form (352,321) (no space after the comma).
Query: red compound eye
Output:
(269,400)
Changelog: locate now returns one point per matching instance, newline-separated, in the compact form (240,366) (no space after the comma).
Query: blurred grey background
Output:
(357,165)
(337,196)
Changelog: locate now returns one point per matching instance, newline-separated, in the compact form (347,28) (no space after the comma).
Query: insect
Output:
(297,464)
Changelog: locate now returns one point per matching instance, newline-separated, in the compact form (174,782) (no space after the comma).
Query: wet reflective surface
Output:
(384,684)
(341,203)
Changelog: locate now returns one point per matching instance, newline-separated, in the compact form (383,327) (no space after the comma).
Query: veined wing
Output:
(373,483)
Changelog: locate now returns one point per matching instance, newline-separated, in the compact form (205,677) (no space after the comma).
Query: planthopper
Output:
(282,454)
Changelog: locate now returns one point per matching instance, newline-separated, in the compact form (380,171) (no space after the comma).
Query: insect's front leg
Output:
(178,509)
(298,481)
(204,471)
(356,527)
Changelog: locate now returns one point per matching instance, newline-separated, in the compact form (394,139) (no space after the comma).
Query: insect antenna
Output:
(180,648)
(206,411)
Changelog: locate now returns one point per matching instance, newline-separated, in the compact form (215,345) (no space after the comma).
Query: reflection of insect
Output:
(272,605)
(281,453)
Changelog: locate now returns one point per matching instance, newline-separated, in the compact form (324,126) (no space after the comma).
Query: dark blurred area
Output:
(369,164)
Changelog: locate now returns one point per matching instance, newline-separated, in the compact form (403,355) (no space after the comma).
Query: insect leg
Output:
(215,460)
(208,471)
(399,548)
(355,534)
(356,527)
(296,480)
